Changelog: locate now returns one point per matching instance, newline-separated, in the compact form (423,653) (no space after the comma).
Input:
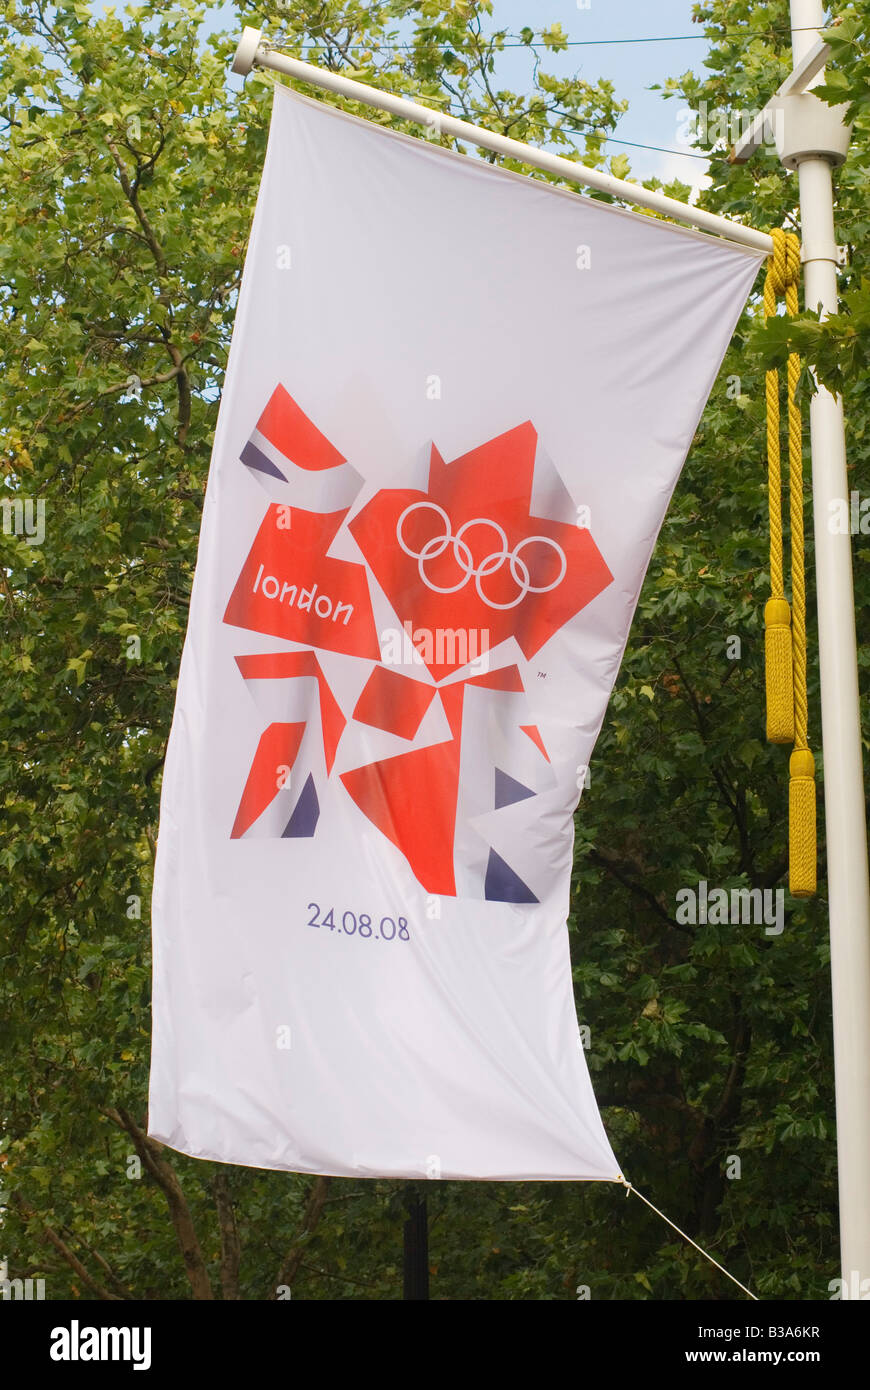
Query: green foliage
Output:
(128,183)
(848,77)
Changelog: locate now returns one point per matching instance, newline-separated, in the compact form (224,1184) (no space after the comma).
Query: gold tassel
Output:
(801,824)
(778,671)
(785,632)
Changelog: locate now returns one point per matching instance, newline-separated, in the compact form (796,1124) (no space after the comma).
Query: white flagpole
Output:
(254,52)
(845,821)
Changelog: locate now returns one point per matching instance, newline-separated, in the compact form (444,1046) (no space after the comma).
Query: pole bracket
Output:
(805,127)
(801,125)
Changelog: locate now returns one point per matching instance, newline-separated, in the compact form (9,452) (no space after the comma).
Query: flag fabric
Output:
(456,405)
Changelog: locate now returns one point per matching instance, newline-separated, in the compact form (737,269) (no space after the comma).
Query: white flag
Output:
(456,405)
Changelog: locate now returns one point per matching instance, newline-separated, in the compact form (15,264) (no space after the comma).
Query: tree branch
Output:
(158,380)
(164,1175)
(310,1217)
(621,873)
(133,199)
(63,1249)
(132,194)
(231,1250)
(117,1284)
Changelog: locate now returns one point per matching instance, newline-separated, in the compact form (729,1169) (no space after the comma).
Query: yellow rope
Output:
(785,630)
(777,614)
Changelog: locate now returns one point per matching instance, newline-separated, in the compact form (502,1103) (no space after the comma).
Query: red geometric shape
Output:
(527,585)
(534,735)
(412,800)
(505,678)
(287,665)
(289,587)
(277,748)
(290,430)
(393,702)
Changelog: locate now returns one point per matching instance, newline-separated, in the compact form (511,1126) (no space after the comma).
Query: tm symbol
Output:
(542,675)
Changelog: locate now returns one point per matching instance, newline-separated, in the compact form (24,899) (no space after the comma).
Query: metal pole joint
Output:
(805,127)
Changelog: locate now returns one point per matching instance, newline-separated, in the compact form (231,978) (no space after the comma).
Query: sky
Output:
(632,67)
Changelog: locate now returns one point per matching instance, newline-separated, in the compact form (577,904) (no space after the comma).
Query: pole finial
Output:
(246,53)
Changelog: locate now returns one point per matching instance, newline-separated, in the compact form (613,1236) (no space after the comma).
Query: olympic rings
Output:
(464,559)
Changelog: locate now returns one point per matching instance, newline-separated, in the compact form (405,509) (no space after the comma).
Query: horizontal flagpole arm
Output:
(253,52)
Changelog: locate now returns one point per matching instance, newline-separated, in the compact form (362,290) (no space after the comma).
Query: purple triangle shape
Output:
(508,790)
(306,813)
(252,458)
(503,885)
